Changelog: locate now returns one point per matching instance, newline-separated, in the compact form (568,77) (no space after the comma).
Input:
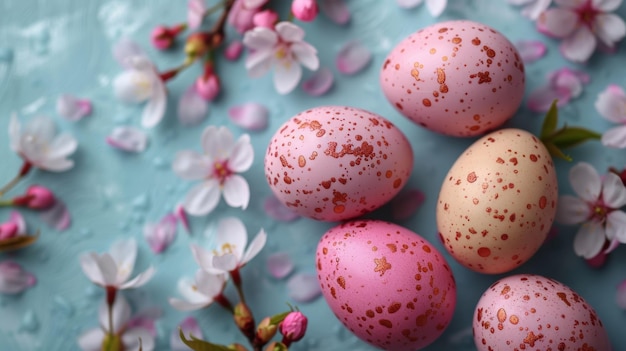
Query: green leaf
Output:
(276,319)
(572,136)
(200,345)
(556,152)
(550,121)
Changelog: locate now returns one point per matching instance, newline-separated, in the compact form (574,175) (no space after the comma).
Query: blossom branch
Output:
(26,167)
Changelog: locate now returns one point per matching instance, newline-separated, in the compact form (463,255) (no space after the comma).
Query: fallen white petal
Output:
(319,83)
(279,265)
(128,138)
(192,108)
(531,50)
(57,216)
(73,108)
(303,287)
(278,211)
(352,58)
(249,116)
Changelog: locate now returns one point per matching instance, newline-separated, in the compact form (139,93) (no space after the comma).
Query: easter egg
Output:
(531,312)
(333,162)
(386,284)
(459,78)
(498,201)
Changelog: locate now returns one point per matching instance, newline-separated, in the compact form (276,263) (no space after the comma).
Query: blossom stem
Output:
(211,10)
(223,301)
(26,167)
(236,275)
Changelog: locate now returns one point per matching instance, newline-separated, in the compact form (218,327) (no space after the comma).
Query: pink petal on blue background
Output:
(73,108)
(279,265)
(233,50)
(160,235)
(192,108)
(319,83)
(19,221)
(352,58)
(181,215)
(541,99)
(128,139)
(195,13)
(336,10)
(14,279)
(250,116)
(277,210)
(303,287)
(531,50)
(57,216)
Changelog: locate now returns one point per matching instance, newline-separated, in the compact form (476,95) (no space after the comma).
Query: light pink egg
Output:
(458,78)
(386,284)
(334,162)
(498,201)
(531,312)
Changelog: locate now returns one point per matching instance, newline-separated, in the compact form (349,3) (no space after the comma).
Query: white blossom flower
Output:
(435,7)
(113,268)
(282,48)
(596,208)
(141,82)
(199,292)
(39,145)
(217,167)
(230,243)
(611,104)
(581,24)
(128,336)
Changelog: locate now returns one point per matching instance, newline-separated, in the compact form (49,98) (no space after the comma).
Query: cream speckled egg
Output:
(531,312)
(498,201)
(459,78)
(386,284)
(334,162)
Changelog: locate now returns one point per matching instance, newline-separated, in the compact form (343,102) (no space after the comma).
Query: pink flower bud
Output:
(38,197)
(8,230)
(293,326)
(304,10)
(161,37)
(266,18)
(208,86)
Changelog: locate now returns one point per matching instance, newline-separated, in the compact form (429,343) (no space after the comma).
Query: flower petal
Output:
(236,191)
(183,305)
(436,7)
(286,76)
(606,5)
(18,219)
(303,287)
(140,280)
(336,10)
(589,240)
(613,191)
(195,13)
(250,116)
(533,8)
(541,99)
(57,216)
(60,164)
(190,165)
(14,279)
(231,237)
(203,258)
(353,57)
(306,54)
(124,253)
(217,143)
(259,62)
(558,22)
(611,104)
(278,211)
(242,155)
(192,108)
(160,235)
(91,340)
(609,28)
(409,4)
(120,313)
(91,268)
(155,108)
(133,86)
(73,108)
(127,138)
(233,50)
(579,46)
(572,210)
(224,263)
(210,284)
(569,80)
(615,137)
(260,38)
(202,198)
(255,247)
(585,181)
(124,50)
(279,265)
(289,32)
(15,133)
(319,83)
(404,205)
(181,215)
(616,226)
(131,338)
(531,50)
(189,326)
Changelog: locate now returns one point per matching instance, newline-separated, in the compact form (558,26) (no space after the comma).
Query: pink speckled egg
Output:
(498,201)
(531,312)
(334,162)
(386,284)
(458,78)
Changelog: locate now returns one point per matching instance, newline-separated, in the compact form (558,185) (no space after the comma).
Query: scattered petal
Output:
(279,265)
(188,326)
(319,83)
(181,215)
(406,203)
(277,210)
(531,50)
(336,10)
(192,108)
(621,295)
(409,4)
(124,50)
(233,50)
(128,138)
(18,219)
(160,235)
(249,116)
(195,13)
(14,279)
(73,108)
(57,216)
(563,85)
(352,58)
(303,287)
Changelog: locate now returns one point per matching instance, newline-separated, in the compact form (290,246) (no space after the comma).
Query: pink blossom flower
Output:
(532,8)
(218,168)
(265,18)
(282,48)
(230,242)
(141,82)
(127,334)
(15,226)
(304,10)
(208,85)
(195,13)
(37,197)
(611,104)
(242,14)
(14,279)
(39,145)
(293,327)
(163,37)
(435,7)
(199,292)
(233,50)
(113,269)
(581,24)
(73,108)
(596,208)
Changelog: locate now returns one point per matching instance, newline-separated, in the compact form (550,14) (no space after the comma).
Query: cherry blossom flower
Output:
(15,226)
(113,269)
(73,108)
(435,7)
(188,326)
(200,292)
(14,279)
(611,104)
(293,327)
(230,241)
(37,197)
(531,8)
(39,145)
(283,49)
(242,13)
(218,168)
(265,18)
(125,332)
(582,24)
(304,10)
(596,208)
(140,82)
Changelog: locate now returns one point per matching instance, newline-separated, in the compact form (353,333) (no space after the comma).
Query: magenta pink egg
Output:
(386,284)
(531,312)
(334,162)
(459,78)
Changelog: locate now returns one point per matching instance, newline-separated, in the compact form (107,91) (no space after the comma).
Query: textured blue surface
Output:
(52,47)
